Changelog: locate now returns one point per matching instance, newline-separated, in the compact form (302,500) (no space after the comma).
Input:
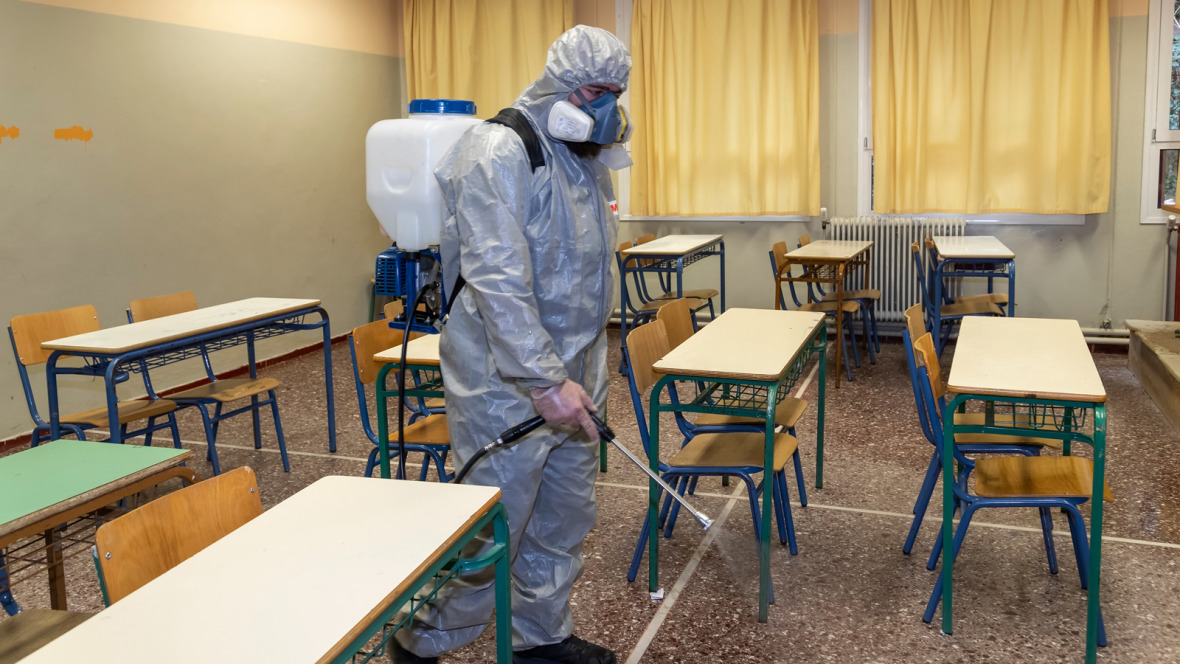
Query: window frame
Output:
(1156,135)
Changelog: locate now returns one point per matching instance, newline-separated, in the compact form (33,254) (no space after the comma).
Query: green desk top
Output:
(56,472)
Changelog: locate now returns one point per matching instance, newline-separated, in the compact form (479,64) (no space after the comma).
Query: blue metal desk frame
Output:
(746,398)
(1061,419)
(663,264)
(113,367)
(988,268)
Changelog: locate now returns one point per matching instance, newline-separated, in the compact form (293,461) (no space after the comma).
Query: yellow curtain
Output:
(991,106)
(483,50)
(725,97)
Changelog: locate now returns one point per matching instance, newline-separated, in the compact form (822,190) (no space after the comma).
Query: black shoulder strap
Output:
(515,120)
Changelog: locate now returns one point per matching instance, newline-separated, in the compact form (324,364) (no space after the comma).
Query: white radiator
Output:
(892,264)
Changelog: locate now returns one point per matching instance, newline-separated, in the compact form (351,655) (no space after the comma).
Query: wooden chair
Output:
(28,332)
(973,444)
(868,298)
(667,289)
(150,540)
(710,454)
(427,430)
(215,394)
(781,266)
(949,314)
(1042,482)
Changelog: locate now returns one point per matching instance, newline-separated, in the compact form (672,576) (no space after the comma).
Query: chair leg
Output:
(6,599)
(864,323)
(371,463)
(425,467)
(923,502)
(799,481)
(151,428)
(872,307)
(257,422)
(681,486)
(937,550)
(1081,548)
(640,546)
(274,411)
(172,426)
(210,437)
(847,363)
(784,513)
(936,595)
(1047,533)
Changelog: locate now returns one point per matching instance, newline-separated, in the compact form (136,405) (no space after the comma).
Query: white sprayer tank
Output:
(400,156)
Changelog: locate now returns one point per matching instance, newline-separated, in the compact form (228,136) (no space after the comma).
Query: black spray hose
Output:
(517,432)
(401,387)
(507,438)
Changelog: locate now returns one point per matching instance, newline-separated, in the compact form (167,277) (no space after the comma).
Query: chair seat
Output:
(426,431)
(436,403)
(786,414)
(733,449)
(1028,477)
(699,294)
(230,389)
(861,294)
(978,419)
(652,306)
(849,307)
(994,298)
(970,308)
(129,411)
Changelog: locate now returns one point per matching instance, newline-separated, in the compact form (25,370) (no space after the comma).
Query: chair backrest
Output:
(31,330)
(370,339)
(804,240)
(645,345)
(926,357)
(163,305)
(916,252)
(677,319)
(146,542)
(645,238)
(915,322)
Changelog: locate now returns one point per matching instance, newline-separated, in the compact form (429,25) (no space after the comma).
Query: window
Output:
(1161,153)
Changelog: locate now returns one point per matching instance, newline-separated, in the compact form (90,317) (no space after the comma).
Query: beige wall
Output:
(224,163)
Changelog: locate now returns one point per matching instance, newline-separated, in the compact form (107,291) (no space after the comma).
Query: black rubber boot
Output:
(399,655)
(570,651)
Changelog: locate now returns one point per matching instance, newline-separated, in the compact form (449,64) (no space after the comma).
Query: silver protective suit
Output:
(535,249)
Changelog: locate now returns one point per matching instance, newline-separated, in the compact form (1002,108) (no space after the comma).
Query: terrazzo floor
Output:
(850,595)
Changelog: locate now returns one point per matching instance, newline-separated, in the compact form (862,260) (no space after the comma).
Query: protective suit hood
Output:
(580,56)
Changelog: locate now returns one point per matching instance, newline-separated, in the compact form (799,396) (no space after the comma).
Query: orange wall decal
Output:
(74,132)
(9,132)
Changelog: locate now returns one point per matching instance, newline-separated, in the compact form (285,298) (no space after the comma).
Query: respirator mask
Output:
(603,121)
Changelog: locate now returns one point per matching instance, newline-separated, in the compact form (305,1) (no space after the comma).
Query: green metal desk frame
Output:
(447,567)
(1060,419)
(745,398)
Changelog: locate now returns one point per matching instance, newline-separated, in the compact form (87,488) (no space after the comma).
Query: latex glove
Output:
(566,403)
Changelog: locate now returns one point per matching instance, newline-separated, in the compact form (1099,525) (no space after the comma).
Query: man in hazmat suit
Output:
(526,336)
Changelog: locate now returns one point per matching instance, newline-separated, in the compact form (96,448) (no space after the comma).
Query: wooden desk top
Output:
(750,344)
(423,350)
(672,245)
(829,250)
(1041,358)
(971,246)
(123,338)
(30,629)
(55,476)
(293,585)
